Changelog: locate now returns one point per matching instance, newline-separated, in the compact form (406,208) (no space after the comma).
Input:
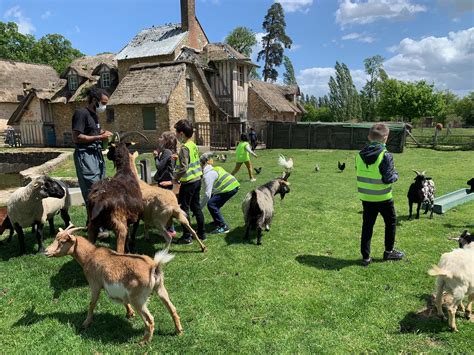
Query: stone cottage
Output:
(16,80)
(151,98)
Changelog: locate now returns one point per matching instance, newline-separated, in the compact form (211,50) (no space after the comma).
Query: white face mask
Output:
(101,108)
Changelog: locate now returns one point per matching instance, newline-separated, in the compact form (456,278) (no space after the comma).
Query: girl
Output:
(167,147)
(242,153)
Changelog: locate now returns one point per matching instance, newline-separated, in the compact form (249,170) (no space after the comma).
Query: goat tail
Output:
(437,271)
(162,257)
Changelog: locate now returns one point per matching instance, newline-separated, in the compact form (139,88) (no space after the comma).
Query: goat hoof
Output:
(259,243)
(203,250)
(179,332)
(130,315)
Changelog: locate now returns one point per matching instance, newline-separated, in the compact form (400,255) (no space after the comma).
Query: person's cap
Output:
(205,157)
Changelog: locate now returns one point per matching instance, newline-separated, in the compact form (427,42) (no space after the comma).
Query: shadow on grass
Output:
(423,321)
(12,249)
(327,262)
(69,276)
(105,327)
(466,226)
(236,236)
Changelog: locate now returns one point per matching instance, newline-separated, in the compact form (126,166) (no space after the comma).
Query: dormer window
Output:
(105,79)
(72,81)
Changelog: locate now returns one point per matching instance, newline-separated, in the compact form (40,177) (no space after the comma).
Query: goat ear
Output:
(454,238)
(135,154)
(428,178)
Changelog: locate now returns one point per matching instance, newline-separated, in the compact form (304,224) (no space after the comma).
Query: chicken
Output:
(341,166)
(316,168)
(285,163)
(258,170)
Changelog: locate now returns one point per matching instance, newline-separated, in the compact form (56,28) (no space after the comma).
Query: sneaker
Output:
(253,180)
(366,262)
(221,230)
(171,233)
(184,240)
(393,255)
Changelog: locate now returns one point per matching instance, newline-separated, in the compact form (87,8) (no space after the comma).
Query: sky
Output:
(430,40)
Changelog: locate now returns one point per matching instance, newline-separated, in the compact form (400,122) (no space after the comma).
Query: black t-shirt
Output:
(86,122)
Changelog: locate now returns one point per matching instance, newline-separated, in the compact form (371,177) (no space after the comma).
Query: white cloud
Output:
(295,5)
(359,37)
(295,47)
(446,61)
(46,15)
(457,6)
(24,23)
(314,81)
(357,12)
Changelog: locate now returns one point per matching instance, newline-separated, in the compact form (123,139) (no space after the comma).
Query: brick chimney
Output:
(189,23)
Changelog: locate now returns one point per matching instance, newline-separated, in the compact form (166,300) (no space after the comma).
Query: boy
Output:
(219,187)
(188,173)
(242,153)
(375,175)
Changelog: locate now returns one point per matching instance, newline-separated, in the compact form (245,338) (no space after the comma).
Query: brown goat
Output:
(160,206)
(115,203)
(129,279)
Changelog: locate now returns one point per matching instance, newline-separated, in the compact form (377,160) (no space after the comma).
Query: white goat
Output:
(36,203)
(455,274)
(129,279)
(258,205)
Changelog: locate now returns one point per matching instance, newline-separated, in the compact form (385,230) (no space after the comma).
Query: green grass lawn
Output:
(303,290)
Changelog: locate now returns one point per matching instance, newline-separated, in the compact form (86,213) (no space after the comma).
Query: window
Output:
(190,114)
(149,119)
(189,90)
(240,69)
(72,82)
(110,115)
(105,79)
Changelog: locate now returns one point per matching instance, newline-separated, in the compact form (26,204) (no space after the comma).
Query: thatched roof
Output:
(154,41)
(14,74)
(215,52)
(148,84)
(276,97)
(42,94)
(85,66)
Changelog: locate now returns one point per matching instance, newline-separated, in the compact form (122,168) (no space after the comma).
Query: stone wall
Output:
(18,161)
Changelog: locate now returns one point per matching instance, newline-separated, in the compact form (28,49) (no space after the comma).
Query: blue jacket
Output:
(370,154)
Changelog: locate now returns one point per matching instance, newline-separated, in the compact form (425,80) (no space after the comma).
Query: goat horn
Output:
(423,172)
(115,138)
(127,134)
(75,229)
(416,172)
(286,176)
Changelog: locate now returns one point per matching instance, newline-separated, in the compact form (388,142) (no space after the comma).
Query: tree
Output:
(315,114)
(344,100)
(13,44)
(406,100)
(370,92)
(289,74)
(465,108)
(55,50)
(242,39)
(274,41)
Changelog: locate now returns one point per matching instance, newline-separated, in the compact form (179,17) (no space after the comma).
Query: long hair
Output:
(168,140)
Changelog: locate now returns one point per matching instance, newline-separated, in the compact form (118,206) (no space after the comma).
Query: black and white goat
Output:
(470,182)
(258,205)
(422,191)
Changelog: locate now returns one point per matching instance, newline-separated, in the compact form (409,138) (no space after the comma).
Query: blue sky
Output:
(419,39)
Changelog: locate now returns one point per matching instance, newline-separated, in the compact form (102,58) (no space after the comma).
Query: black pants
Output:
(371,210)
(189,198)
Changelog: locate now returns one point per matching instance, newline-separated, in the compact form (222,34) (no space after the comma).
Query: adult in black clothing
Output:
(87,136)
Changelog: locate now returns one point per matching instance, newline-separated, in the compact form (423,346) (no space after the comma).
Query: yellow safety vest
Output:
(370,186)
(225,182)
(194,168)
(241,152)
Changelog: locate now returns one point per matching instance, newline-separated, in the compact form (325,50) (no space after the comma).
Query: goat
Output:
(470,182)
(36,203)
(115,203)
(258,205)
(5,224)
(455,274)
(422,191)
(160,206)
(129,279)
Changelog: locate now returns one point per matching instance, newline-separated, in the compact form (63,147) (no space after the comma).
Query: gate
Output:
(219,135)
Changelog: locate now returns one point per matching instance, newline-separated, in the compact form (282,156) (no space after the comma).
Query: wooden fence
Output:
(328,136)
(442,141)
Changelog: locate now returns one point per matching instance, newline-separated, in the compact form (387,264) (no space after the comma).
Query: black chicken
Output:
(258,170)
(341,166)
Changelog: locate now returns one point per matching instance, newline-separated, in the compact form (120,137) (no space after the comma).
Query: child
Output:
(375,175)
(242,153)
(188,172)
(167,146)
(253,138)
(219,187)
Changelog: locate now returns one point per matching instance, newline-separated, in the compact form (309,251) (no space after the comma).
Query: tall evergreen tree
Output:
(289,74)
(274,41)
(371,92)
(344,100)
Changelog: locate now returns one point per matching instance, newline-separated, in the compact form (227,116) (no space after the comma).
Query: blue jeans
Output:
(216,202)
